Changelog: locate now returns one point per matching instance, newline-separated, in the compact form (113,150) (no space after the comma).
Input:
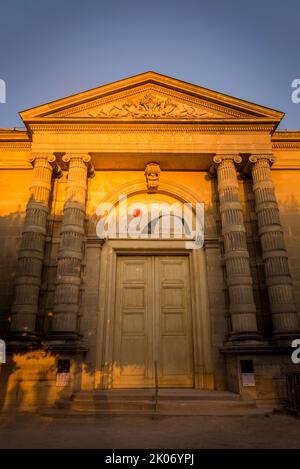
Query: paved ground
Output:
(276,431)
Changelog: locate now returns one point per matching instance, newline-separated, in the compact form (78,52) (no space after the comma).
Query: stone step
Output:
(158,413)
(164,394)
(112,405)
(170,402)
(172,405)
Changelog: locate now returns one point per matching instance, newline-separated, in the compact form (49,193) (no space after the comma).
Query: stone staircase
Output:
(170,402)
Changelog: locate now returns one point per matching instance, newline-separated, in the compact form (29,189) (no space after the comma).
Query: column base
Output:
(284,338)
(65,342)
(20,340)
(235,337)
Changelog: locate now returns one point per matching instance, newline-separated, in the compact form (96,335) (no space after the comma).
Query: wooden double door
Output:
(153,322)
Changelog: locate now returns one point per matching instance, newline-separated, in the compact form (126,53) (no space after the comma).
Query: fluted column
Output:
(66,302)
(31,255)
(239,281)
(275,258)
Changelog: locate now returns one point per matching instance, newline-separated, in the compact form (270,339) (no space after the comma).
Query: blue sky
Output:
(54,48)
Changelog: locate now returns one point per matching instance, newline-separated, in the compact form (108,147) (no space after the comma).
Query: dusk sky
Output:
(52,49)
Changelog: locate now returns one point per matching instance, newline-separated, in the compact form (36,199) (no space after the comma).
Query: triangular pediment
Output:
(149,96)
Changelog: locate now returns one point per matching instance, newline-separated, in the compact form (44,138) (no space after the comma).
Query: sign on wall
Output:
(247,373)
(2,351)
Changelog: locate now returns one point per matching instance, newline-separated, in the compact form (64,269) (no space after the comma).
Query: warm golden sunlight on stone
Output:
(150,237)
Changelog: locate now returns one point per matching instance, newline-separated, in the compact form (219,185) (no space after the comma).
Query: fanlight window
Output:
(153,219)
(168,225)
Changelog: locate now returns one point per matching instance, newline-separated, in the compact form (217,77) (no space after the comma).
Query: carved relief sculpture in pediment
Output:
(149,106)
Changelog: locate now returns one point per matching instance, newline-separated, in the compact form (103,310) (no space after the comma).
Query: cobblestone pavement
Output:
(28,431)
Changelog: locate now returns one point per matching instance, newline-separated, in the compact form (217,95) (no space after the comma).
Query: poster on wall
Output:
(248,379)
(62,379)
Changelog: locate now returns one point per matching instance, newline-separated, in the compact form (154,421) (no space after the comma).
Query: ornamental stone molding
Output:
(152,173)
(208,126)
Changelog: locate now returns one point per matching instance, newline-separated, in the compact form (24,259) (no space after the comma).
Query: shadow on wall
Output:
(10,240)
(22,381)
(28,381)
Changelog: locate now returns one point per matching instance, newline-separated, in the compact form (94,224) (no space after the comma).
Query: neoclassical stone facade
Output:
(82,312)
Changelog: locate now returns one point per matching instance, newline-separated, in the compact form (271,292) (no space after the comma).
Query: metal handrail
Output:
(156,386)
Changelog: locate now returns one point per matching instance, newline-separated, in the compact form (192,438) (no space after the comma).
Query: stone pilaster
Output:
(275,258)
(31,255)
(238,275)
(66,302)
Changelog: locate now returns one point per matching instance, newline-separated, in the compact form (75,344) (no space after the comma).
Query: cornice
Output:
(4,145)
(286,135)
(13,135)
(288,139)
(204,126)
(286,145)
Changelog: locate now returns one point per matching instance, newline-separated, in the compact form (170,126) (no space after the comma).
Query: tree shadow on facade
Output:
(26,381)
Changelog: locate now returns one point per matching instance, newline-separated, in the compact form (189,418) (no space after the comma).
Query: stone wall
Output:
(287,185)
(14,185)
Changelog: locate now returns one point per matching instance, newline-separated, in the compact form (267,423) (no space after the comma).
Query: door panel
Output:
(153,322)
(132,342)
(175,355)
